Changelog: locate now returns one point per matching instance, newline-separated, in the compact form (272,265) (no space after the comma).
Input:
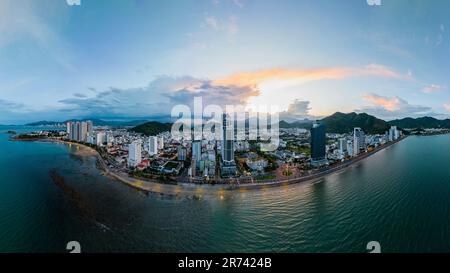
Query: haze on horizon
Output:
(136,59)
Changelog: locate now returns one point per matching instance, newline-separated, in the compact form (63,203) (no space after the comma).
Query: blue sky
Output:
(137,58)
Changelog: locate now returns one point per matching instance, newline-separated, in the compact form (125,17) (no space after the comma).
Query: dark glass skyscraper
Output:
(228,166)
(227,140)
(318,142)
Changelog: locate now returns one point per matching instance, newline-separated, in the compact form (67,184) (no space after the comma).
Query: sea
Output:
(51,194)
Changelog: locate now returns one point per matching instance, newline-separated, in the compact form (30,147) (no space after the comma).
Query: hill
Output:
(420,123)
(306,124)
(152,128)
(344,123)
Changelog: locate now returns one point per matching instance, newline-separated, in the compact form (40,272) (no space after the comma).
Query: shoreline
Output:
(197,191)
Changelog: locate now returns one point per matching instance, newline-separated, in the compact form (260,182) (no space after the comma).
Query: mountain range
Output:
(336,123)
(421,123)
(344,123)
(96,122)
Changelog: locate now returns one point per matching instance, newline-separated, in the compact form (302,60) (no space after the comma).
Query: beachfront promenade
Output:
(197,190)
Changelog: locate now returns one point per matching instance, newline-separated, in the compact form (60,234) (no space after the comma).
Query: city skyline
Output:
(63,62)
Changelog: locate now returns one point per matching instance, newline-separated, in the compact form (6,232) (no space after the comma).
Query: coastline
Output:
(197,191)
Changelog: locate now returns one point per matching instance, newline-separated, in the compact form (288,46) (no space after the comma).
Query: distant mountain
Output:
(344,123)
(304,124)
(99,122)
(96,122)
(152,128)
(43,122)
(420,123)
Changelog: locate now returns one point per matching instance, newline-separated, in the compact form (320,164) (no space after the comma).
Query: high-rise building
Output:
(394,133)
(72,130)
(350,148)
(342,146)
(109,138)
(193,167)
(227,140)
(160,143)
(182,153)
(398,134)
(90,128)
(152,145)
(359,141)
(134,154)
(91,140)
(99,138)
(68,128)
(82,133)
(228,165)
(197,150)
(318,145)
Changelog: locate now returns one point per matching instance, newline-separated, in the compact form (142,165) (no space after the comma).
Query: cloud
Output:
(439,37)
(299,107)
(230,25)
(11,111)
(393,107)
(239,3)
(161,94)
(395,50)
(297,110)
(432,88)
(447,106)
(25,20)
(79,95)
(19,113)
(256,77)
(390,104)
(211,21)
(10,106)
(156,99)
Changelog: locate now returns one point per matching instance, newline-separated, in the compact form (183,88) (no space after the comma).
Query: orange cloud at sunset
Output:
(390,104)
(256,77)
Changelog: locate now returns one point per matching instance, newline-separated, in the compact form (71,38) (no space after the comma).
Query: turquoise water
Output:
(399,197)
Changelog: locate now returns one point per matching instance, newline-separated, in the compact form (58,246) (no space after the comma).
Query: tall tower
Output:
(77,135)
(83,131)
(318,145)
(197,150)
(359,141)
(152,145)
(90,128)
(134,154)
(73,131)
(227,140)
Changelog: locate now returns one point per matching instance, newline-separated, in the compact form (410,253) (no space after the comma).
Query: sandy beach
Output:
(219,190)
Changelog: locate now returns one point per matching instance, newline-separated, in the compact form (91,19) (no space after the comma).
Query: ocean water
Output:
(400,197)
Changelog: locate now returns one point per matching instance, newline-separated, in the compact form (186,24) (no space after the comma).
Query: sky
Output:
(129,59)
